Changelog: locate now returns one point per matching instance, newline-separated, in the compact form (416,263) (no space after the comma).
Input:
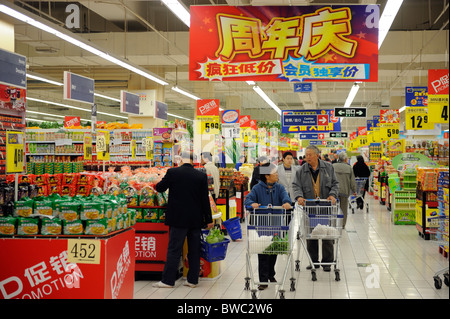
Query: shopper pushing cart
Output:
(268,224)
(358,199)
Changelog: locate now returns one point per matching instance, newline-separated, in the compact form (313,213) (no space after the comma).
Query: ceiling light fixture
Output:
(179,10)
(264,96)
(74,107)
(390,11)
(178,116)
(52,115)
(402,109)
(62,34)
(190,95)
(351,95)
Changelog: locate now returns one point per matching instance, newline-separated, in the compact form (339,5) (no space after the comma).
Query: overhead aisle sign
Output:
(78,88)
(350,112)
(309,121)
(284,43)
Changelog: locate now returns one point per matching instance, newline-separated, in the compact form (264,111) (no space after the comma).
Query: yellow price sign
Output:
(103,145)
(148,144)
(133,148)
(390,130)
(14,152)
(438,108)
(87,146)
(210,124)
(416,118)
(376,135)
(84,251)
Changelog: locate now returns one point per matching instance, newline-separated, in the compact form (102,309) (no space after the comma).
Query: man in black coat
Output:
(188,211)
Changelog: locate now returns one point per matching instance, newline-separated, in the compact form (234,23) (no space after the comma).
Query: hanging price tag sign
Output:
(87,146)
(209,124)
(14,152)
(231,130)
(148,145)
(389,131)
(417,118)
(84,251)
(133,148)
(438,108)
(103,145)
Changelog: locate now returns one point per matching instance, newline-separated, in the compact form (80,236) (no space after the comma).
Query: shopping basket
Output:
(440,236)
(213,252)
(361,183)
(233,227)
(269,233)
(320,220)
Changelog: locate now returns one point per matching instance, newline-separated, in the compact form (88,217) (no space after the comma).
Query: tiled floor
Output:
(378,260)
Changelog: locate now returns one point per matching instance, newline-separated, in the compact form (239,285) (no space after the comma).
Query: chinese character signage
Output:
(438,95)
(309,121)
(284,43)
(389,116)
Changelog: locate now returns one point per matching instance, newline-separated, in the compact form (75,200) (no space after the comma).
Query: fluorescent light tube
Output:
(179,10)
(22,17)
(351,95)
(402,109)
(184,118)
(388,16)
(251,82)
(73,107)
(263,95)
(190,95)
(107,97)
(35,77)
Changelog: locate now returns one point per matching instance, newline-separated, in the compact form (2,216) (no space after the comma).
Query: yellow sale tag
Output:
(87,146)
(416,118)
(84,251)
(133,148)
(210,124)
(103,145)
(390,130)
(14,152)
(438,108)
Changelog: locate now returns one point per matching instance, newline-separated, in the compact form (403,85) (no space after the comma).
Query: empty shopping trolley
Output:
(361,183)
(440,236)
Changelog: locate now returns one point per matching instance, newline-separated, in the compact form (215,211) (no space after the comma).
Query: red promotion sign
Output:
(39,269)
(208,107)
(72,121)
(353,135)
(389,116)
(253,125)
(244,121)
(12,98)
(284,43)
(362,130)
(438,82)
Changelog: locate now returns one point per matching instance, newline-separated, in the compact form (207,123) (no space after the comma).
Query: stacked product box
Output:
(443,199)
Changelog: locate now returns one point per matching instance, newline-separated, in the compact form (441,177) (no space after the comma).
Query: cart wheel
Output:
(247,283)
(437,282)
(281,294)
(367,208)
(298,235)
(292,284)
(313,276)
(297,265)
(446,279)
(337,275)
(254,294)
(353,210)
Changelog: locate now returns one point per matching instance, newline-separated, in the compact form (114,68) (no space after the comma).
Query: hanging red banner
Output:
(284,43)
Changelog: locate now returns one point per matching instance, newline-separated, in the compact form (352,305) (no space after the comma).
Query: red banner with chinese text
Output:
(284,43)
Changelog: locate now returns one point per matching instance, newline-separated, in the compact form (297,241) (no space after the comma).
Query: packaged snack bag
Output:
(44,206)
(27,226)
(74,227)
(68,210)
(147,196)
(51,226)
(91,209)
(96,227)
(23,207)
(7,225)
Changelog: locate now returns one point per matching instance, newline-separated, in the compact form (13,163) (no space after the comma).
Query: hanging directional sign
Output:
(312,136)
(338,134)
(350,112)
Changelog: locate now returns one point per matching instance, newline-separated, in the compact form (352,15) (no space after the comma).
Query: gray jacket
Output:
(282,179)
(302,185)
(346,178)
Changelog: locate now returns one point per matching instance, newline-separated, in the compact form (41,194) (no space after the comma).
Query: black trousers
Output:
(174,252)
(327,250)
(266,267)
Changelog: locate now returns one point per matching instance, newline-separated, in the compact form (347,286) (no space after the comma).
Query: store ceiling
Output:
(150,35)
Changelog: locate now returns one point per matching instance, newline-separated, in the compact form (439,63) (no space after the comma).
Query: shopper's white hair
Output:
(342,157)
(313,148)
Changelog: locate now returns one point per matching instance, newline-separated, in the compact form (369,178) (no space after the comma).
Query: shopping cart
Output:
(269,232)
(440,235)
(360,188)
(319,220)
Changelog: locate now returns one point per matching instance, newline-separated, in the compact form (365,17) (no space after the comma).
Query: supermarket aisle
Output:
(378,261)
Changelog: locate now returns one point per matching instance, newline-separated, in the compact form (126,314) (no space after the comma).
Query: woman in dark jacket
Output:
(360,169)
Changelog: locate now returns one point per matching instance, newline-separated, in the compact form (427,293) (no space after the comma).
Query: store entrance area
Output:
(378,260)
